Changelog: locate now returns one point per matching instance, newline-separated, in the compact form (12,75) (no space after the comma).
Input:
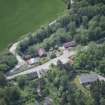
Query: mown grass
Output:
(18,17)
(83,89)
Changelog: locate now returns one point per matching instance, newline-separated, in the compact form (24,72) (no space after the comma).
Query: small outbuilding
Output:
(32,61)
(41,52)
(69,44)
(86,79)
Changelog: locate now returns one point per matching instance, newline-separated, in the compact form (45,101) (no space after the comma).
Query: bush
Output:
(7,62)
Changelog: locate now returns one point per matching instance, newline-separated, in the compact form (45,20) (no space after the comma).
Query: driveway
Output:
(64,58)
(101,78)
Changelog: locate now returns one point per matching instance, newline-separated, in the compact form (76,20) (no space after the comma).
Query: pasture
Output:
(18,17)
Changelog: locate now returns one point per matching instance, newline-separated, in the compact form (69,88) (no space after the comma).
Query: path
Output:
(19,59)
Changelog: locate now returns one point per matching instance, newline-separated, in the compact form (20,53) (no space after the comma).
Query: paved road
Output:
(101,78)
(64,58)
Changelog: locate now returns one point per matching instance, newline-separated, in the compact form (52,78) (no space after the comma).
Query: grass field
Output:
(17,17)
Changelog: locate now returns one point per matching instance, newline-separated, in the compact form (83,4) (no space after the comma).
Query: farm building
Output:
(86,79)
(41,52)
(69,44)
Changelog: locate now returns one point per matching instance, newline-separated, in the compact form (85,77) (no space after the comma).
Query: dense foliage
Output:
(56,85)
(98,93)
(80,25)
(91,58)
(7,62)
(9,94)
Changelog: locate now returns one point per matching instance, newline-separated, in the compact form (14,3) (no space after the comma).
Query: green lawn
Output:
(17,17)
(86,91)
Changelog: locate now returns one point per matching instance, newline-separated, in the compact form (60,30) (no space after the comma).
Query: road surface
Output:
(43,68)
(101,78)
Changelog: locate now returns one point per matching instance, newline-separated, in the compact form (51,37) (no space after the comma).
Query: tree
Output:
(2,101)
(96,92)
(101,66)
(72,28)
(95,33)
(4,67)
(12,95)
(102,101)
(68,3)
(85,21)
(3,80)
(21,82)
(7,62)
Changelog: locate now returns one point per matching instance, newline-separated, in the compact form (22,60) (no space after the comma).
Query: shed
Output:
(69,44)
(86,79)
